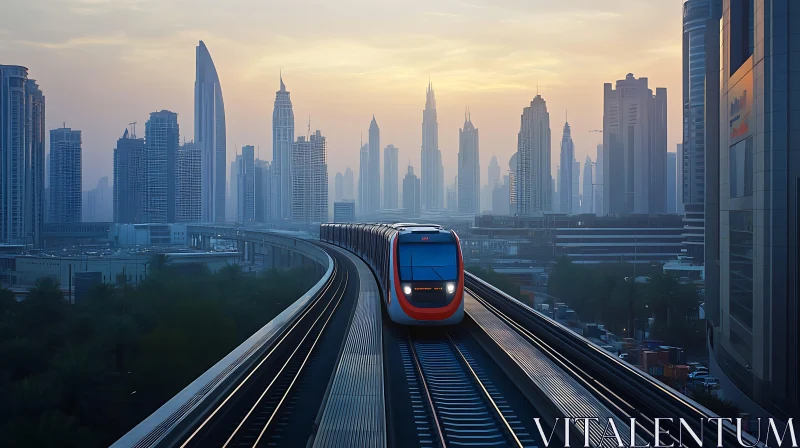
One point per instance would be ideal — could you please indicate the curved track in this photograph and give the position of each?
(254, 412)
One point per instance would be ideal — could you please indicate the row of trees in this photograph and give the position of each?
(82, 375)
(609, 294)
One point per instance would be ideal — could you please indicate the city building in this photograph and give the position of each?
(566, 171)
(344, 211)
(512, 184)
(679, 199)
(752, 222)
(65, 176)
(587, 198)
(501, 196)
(282, 143)
(263, 191)
(556, 186)
(22, 157)
(390, 177)
(696, 16)
(188, 183)
(338, 187)
(348, 185)
(310, 179)
(412, 194)
(246, 186)
(634, 147)
(576, 188)
(209, 133)
(98, 203)
(533, 175)
(598, 182)
(363, 179)
(672, 182)
(493, 179)
(451, 198)
(469, 168)
(374, 172)
(161, 141)
(432, 179)
(232, 207)
(128, 179)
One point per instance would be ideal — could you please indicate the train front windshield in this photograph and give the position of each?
(425, 261)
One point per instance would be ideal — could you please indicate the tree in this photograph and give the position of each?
(159, 262)
(7, 301)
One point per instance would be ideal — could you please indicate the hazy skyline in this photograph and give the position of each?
(105, 63)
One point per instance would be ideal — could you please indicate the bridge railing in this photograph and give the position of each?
(167, 424)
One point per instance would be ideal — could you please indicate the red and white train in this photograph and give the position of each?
(418, 266)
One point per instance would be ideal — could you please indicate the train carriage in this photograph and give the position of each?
(419, 268)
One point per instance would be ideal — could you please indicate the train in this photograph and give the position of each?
(418, 267)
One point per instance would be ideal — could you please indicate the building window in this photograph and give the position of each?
(740, 162)
(741, 267)
(742, 32)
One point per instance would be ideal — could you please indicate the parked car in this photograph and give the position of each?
(710, 382)
(698, 375)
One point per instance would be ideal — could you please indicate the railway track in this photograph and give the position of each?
(454, 401)
(251, 414)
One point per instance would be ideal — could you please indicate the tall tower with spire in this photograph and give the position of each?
(533, 189)
(431, 184)
(209, 133)
(565, 185)
(469, 171)
(374, 176)
(282, 140)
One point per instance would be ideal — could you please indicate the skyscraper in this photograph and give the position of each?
(188, 183)
(338, 187)
(513, 164)
(374, 188)
(493, 177)
(432, 181)
(753, 306)
(576, 187)
(65, 176)
(411, 194)
(500, 197)
(22, 195)
(696, 14)
(469, 169)
(348, 185)
(390, 177)
(310, 179)
(363, 179)
(245, 208)
(128, 179)
(672, 179)
(209, 132)
(161, 137)
(681, 169)
(635, 147)
(598, 183)
(98, 202)
(282, 142)
(233, 190)
(565, 181)
(533, 175)
(587, 198)
(263, 191)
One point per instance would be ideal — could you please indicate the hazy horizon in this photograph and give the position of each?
(105, 63)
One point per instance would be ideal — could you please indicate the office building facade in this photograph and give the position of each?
(634, 147)
(282, 144)
(533, 174)
(263, 191)
(245, 201)
(210, 134)
(344, 211)
(391, 180)
(753, 310)
(188, 183)
(469, 169)
(66, 200)
(161, 142)
(672, 182)
(310, 179)
(587, 196)
(412, 194)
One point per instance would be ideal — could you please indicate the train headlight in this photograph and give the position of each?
(451, 288)
(407, 290)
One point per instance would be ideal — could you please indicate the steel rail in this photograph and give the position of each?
(289, 331)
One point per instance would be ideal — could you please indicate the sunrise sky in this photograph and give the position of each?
(105, 63)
